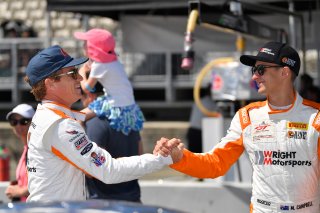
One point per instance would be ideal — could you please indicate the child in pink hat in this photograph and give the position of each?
(118, 103)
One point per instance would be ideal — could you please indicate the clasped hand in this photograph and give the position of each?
(172, 147)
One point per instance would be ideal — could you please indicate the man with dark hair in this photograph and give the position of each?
(280, 135)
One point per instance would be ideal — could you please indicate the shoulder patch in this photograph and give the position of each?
(244, 113)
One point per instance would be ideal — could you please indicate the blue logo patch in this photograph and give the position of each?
(86, 149)
(282, 207)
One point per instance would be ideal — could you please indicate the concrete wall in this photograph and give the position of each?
(197, 197)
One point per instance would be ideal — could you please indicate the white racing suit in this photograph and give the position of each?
(60, 154)
(283, 147)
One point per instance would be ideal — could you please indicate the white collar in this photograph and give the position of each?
(69, 112)
(280, 107)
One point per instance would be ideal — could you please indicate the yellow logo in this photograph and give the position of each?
(295, 125)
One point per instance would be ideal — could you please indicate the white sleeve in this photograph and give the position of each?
(98, 70)
(73, 145)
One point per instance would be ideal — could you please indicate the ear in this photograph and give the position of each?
(49, 82)
(286, 71)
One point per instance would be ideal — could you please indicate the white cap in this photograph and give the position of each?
(25, 110)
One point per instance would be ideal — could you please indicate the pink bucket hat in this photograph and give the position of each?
(100, 44)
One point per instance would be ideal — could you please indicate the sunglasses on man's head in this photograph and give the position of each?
(73, 73)
(261, 68)
(22, 121)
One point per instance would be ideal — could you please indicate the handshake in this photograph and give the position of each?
(172, 147)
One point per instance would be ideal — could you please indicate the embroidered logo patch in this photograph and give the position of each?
(81, 143)
(97, 159)
(86, 149)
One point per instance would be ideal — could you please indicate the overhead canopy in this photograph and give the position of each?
(114, 8)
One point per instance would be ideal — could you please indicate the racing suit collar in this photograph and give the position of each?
(274, 111)
(66, 110)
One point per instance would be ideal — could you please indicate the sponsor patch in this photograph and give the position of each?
(77, 136)
(297, 134)
(244, 116)
(72, 132)
(296, 125)
(263, 132)
(86, 149)
(284, 207)
(262, 127)
(33, 125)
(278, 158)
(264, 202)
(296, 207)
(288, 61)
(97, 159)
(31, 169)
(305, 205)
(267, 51)
(81, 143)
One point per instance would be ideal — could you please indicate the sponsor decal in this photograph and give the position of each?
(81, 143)
(263, 202)
(283, 207)
(33, 125)
(86, 149)
(263, 132)
(261, 137)
(76, 137)
(244, 116)
(262, 127)
(72, 132)
(267, 51)
(97, 159)
(296, 207)
(305, 205)
(278, 158)
(297, 134)
(288, 61)
(295, 125)
(31, 169)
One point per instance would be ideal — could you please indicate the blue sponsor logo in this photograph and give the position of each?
(86, 149)
(282, 207)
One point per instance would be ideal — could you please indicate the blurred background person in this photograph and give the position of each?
(118, 145)
(20, 119)
(308, 90)
(194, 132)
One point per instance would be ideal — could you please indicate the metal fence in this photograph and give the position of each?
(146, 71)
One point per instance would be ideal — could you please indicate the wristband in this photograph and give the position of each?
(92, 90)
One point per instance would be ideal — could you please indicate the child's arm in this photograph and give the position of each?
(89, 114)
(88, 83)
